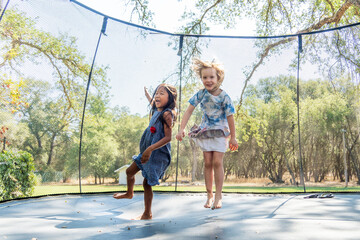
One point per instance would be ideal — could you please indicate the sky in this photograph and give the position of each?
(167, 17)
(235, 55)
(134, 61)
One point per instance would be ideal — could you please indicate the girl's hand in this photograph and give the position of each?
(147, 95)
(145, 156)
(233, 145)
(180, 135)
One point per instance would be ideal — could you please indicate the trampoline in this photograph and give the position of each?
(122, 49)
(182, 216)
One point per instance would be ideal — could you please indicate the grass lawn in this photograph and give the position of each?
(63, 189)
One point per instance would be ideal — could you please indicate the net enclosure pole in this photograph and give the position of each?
(3, 10)
(4, 146)
(298, 110)
(102, 32)
(181, 41)
(345, 161)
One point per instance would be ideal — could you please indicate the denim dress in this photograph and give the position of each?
(160, 159)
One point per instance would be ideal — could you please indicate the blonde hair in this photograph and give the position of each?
(199, 65)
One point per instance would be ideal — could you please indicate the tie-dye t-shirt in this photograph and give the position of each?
(216, 109)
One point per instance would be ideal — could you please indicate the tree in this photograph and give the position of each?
(127, 133)
(55, 106)
(22, 41)
(47, 119)
(11, 101)
(277, 18)
(323, 118)
(10, 97)
(284, 17)
(190, 154)
(335, 53)
(100, 148)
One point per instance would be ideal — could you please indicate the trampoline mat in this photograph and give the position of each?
(182, 216)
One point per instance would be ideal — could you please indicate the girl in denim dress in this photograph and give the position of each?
(155, 149)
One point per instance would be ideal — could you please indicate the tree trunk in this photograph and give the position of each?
(194, 160)
(355, 165)
(289, 169)
(52, 146)
(354, 160)
(38, 139)
(316, 167)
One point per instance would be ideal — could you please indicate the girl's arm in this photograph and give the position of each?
(184, 121)
(233, 145)
(168, 118)
(147, 95)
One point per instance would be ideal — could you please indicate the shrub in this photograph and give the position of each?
(17, 178)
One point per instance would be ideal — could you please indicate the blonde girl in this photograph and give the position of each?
(217, 129)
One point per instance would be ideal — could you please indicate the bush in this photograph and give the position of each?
(17, 178)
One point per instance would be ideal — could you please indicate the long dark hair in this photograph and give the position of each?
(171, 104)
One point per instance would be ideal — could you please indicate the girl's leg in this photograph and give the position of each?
(130, 179)
(208, 175)
(219, 177)
(148, 197)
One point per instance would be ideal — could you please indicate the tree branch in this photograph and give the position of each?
(335, 18)
(203, 15)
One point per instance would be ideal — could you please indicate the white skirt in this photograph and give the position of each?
(215, 144)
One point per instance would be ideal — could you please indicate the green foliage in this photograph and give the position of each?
(23, 40)
(269, 133)
(17, 178)
(127, 133)
(53, 109)
(335, 53)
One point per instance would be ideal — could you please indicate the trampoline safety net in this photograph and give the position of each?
(73, 107)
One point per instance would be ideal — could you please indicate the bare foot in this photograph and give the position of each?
(145, 216)
(121, 196)
(217, 203)
(209, 202)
